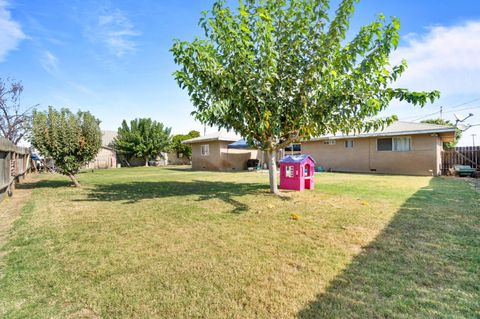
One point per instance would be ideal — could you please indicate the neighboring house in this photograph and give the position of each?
(177, 158)
(211, 152)
(107, 156)
(401, 148)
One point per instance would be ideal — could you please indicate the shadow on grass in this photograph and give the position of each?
(135, 191)
(425, 264)
(45, 184)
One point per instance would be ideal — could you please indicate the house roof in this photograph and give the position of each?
(296, 158)
(217, 136)
(397, 128)
(107, 138)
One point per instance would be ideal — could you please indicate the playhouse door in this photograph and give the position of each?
(307, 177)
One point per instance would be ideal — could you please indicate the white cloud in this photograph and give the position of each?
(10, 31)
(49, 62)
(445, 58)
(116, 31)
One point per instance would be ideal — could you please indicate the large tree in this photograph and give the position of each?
(71, 140)
(144, 138)
(458, 132)
(179, 147)
(14, 119)
(281, 71)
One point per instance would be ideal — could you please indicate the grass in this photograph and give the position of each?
(172, 243)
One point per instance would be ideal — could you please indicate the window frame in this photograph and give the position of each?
(402, 138)
(207, 148)
(393, 143)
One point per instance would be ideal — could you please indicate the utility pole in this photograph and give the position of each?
(441, 112)
(473, 139)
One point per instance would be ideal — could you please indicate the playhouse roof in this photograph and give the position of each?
(296, 158)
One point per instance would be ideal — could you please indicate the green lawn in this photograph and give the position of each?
(172, 243)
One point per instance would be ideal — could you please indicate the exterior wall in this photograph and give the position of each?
(220, 158)
(106, 158)
(438, 156)
(423, 159)
(173, 159)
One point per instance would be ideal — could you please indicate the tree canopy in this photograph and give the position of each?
(281, 71)
(144, 138)
(184, 149)
(71, 140)
(458, 132)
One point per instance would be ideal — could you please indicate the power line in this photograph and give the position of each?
(452, 109)
(462, 104)
(421, 117)
(465, 109)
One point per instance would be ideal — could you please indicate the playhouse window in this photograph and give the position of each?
(205, 150)
(289, 171)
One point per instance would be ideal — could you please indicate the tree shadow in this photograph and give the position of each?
(424, 264)
(44, 184)
(133, 192)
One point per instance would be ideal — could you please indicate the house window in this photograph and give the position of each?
(330, 142)
(293, 148)
(402, 144)
(396, 144)
(384, 144)
(349, 144)
(205, 150)
(179, 155)
(288, 171)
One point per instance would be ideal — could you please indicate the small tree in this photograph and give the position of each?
(280, 71)
(458, 132)
(144, 138)
(14, 120)
(71, 140)
(185, 149)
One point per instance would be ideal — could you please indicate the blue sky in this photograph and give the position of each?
(112, 57)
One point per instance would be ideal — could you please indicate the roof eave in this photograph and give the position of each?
(437, 131)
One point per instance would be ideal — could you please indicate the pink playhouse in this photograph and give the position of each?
(297, 172)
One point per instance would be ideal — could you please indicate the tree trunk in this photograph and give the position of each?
(272, 171)
(74, 180)
(146, 161)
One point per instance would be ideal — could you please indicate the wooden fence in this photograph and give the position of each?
(14, 164)
(466, 155)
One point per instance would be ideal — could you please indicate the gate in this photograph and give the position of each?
(464, 155)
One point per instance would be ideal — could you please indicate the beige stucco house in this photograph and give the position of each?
(211, 152)
(107, 156)
(401, 148)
